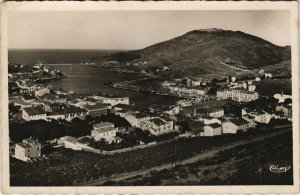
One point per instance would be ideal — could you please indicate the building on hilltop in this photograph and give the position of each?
(27, 150)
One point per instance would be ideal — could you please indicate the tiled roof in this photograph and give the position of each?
(103, 125)
(95, 107)
(36, 110)
(239, 121)
(214, 125)
(23, 145)
(71, 139)
(105, 129)
(140, 115)
(158, 121)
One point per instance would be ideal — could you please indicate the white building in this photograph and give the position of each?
(215, 112)
(282, 97)
(136, 119)
(41, 91)
(235, 125)
(260, 116)
(112, 100)
(104, 130)
(239, 95)
(76, 144)
(27, 150)
(212, 129)
(158, 126)
(33, 113)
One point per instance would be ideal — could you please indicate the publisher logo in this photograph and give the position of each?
(279, 169)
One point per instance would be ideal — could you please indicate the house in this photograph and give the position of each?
(212, 129)
(124, 110)
(70, 142)
(282, 97)
(28, 98)
(158, 126)
(260, 116)
(197, 127)
(136, 119)
(250, 119)
(97, 109)
(76, 144)
(104, 130)
(210, 111)
(33, 113)
(234, 125)
(42, 91)
(77, 103)
(64, 111)
(240, 95)
(112, 100)
(53, 98)
(210, 120)
(172, 110)
(286, 109)
(28, 149)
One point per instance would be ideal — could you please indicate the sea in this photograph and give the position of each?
(85, 78)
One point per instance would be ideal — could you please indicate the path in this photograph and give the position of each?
(245, 70)
(193, 159)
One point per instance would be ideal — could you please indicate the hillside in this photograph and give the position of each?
(200, 52)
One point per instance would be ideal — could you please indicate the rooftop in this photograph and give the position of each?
(105, 129)
(158, 121)
(58, 109)
(103, 125)
(71, 139)
(239, 121)
(214, 125)
(140, 115)
(96, 106)
(36, 110)
(24, 145)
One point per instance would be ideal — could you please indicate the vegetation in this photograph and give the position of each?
(243, 165)
(84, 166)
(48, 130)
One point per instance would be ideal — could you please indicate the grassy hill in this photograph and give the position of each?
(200, 52)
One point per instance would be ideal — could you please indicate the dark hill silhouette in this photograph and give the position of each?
(200, 52)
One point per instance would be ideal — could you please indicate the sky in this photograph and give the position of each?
(135, 29)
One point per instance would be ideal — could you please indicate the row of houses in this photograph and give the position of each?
(240, 95)
(218, 126)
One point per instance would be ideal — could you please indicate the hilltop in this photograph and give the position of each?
(201, 52)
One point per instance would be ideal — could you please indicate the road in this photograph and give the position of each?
(207, 154)
(245, 70)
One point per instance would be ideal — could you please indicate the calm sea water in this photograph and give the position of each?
(85, 79)
(54, 56)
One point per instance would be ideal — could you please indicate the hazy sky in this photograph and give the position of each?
(135, 29)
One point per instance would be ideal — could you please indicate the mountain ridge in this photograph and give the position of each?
(200, 52)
